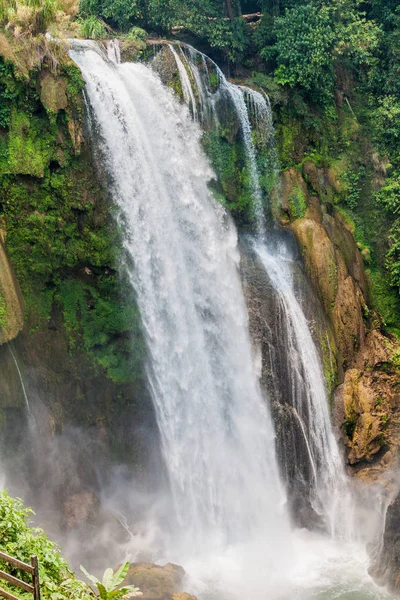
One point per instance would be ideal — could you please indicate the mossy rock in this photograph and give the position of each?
(53, 91)
(11, 302)
(155, 582)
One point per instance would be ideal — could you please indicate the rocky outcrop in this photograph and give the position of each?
(332, 259)
(158, 583)
(367, 408)
(53, 91)
(366, 403)
(11, 302)
(386, 570)
(327, 250)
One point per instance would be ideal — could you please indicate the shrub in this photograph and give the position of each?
(19, 539)
(137, 34)
(92, 28)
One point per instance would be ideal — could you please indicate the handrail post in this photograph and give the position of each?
(36, 584)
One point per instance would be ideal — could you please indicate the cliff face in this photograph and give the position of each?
(80, 350)
(366, 401)
(11, 301)
(77, 348)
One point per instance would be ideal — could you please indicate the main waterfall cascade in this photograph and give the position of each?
(319, 472)
(229, 524)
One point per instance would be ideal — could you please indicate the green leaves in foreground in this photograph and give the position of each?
(107, 588)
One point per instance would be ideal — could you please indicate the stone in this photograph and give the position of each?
(386, 570)
(11, 301)
(80, 508)
(367, 405)
(292, 183)
(341, 293)
(183, 596)
(53, 91)
(154, 581)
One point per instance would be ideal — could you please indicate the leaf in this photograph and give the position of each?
(91, 578)
(102, 591)
(108, 579)
(120, 575)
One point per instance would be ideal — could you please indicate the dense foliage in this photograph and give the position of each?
(63, 247)
(20, 540)
(331, 69)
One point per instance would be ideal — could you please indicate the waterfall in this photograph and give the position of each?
(216, 430)
(319, 470)
(326, 486)
(187, 89)
(228, 525)
(21, 379)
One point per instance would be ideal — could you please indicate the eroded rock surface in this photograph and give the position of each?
(156, 582)
(11, 302)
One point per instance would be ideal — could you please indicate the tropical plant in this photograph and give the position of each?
(35, 16)
(20, 540)
(108, 588)
(92, 28)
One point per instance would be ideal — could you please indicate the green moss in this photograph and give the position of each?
(107, 321)
(384, 298)
(287, 136)
(30, 144)
(3, 311)
(234, 183)
(213, 80)
(329, 365)
(63, 244)
(297, 203)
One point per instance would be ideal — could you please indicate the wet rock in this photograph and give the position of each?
(367, 406)
(11, 302)
(183, 596)
(79, 508)
(339, 291)
(155, 582)
(53, 91)
(291, 189)
(386, 570)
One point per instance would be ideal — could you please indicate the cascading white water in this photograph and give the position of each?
(329, 491)
(217, 435)
(237, 96)
(330, 497)
(185, 82)
(229, 528)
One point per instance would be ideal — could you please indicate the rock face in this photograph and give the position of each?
(158, 583)
(11, 303)
(366, 403)
(387, 567)
(275, 346)
(367, 408)
(341, 293)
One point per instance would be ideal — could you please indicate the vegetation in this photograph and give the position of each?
(20, 540)
(92, 28)
(35, 16)
(63, 247)
(57, 582)
(3, 311)
(331, 69)
(110, 586)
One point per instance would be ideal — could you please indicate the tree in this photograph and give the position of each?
(303, 50)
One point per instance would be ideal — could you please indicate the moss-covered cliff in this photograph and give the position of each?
(80, 353)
